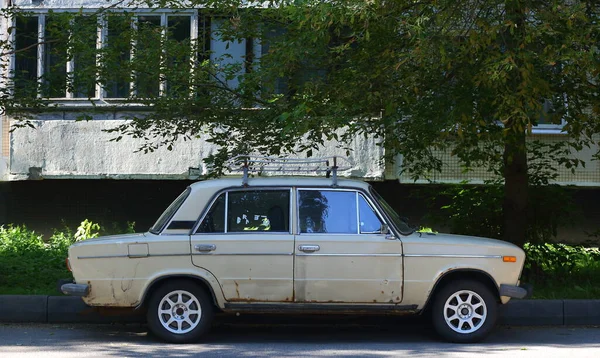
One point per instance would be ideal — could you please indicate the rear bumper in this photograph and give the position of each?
(521, 291)
(74, 289)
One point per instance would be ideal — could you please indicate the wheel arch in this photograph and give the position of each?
(462, 274)
(159, 281)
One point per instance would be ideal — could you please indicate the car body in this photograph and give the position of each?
(285, 244)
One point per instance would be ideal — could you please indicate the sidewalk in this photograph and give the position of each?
(65, 309)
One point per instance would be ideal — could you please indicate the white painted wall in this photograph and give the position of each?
(70, 149)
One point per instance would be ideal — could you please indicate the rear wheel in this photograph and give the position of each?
(464, 311)
(180, 312)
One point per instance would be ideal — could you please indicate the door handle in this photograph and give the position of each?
(205, 247)
(309, 248)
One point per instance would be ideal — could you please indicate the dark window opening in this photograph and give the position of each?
(26, 38)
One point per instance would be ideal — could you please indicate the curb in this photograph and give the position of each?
(66, 309)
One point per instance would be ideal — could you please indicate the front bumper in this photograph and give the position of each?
(74, 289)
(521, 291)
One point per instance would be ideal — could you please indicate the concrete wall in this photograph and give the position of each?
(453, 172)
(61, 147)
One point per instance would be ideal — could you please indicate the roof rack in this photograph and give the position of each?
(259, 164)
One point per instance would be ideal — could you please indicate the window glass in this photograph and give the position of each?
(214, 221)
(549, 113)
(55, 55)
(369, 222)
(148, 54)
(115, 64)
(258, 210)
(178, 50)
(84, 37)
(327, 211)
(26, 39)
(168, 214)
(400, 223)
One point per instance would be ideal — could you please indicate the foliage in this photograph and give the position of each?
(477, 210)
(562, 271)
(468, 77)
(87, 230)
(31, 264)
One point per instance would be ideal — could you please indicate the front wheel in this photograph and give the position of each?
(464, 311)
(179, 312)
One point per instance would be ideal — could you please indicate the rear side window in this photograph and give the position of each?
(248, 211)
(168, 214)
(327, 211)
(257, 210)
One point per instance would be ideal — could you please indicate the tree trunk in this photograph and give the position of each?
(515, 188)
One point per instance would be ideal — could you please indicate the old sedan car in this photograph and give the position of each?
(287, 244)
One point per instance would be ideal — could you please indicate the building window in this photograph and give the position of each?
(113, 55)
(26, 72)
(551, 119)
(115, 59)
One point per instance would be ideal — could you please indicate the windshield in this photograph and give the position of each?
(168, 214)
(398, 222)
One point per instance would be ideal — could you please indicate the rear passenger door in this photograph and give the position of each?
(245, 240)
(342, 255)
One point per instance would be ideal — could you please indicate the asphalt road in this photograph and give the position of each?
(385, 337)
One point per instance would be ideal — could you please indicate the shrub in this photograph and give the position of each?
(30, 264)
(477, 210)
(562, 271)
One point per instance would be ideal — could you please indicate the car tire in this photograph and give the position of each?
(180, 312)
(464, 311)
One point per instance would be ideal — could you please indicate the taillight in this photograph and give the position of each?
(68, 263)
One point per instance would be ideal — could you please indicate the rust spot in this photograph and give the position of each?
(243, 300)
(374, 300)
(237, 289)
(398, 298)
(382, 292)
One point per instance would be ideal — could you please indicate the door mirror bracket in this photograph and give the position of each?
(385, 229)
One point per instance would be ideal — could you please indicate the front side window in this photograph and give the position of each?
(327, 211)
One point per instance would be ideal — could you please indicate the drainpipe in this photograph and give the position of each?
(5, 62)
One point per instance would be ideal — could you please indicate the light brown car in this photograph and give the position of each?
(294, 245)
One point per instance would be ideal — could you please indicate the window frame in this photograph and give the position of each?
(100, 93)
(226, 191)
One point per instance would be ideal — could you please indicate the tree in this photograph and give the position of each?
(470, 77)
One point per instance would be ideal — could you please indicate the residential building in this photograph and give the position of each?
(62, 147)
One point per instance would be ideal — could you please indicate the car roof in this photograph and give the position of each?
(228, 182)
